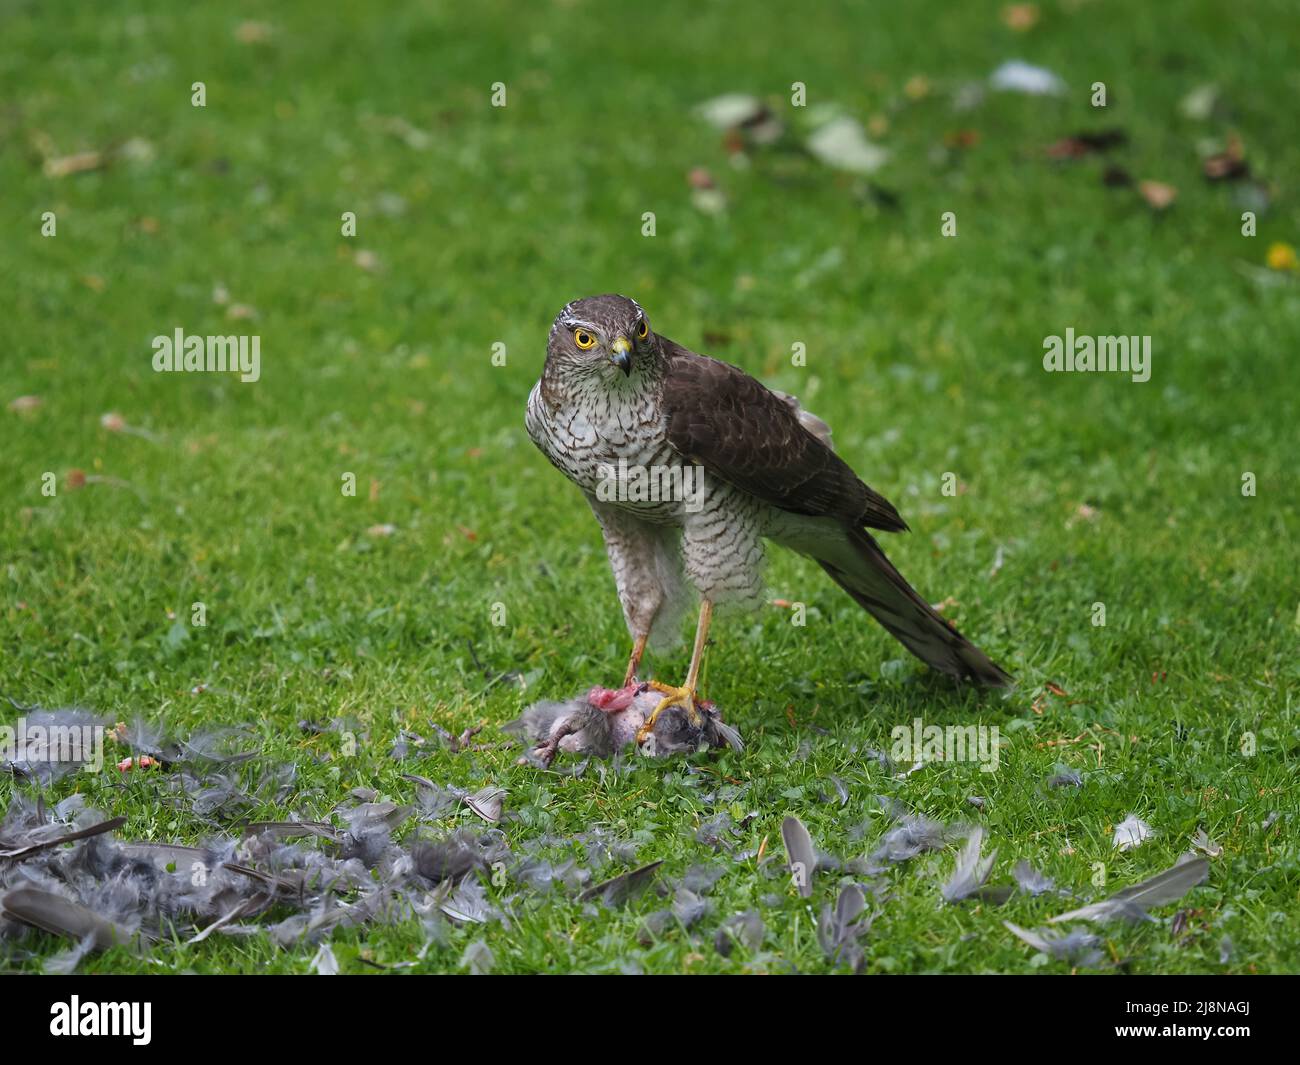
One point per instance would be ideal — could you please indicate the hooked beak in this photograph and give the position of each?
(620, 354)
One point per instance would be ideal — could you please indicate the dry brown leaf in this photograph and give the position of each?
(252, 32)
(1020, 17)
(1157, 194)
(78, 163)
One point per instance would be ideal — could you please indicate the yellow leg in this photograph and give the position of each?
(634, 663)
(685, 695)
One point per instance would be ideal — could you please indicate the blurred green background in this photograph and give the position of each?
(475, 224)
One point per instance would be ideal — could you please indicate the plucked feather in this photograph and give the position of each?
(1132, 903)
(801, 858)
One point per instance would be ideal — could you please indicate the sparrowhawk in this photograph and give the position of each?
(690, 464)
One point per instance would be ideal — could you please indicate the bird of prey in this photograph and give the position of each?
(689, 465)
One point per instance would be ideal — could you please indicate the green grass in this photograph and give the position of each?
(922, 352)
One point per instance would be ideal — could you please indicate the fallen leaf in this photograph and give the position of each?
(1083, 512)
(1229, 164)
(700, 178)
(252, 32)
(1020, 17)
(1157, 193)
(962, 138)
(1081, 144)
(65, 165)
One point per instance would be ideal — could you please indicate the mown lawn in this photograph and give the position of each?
(475, 224)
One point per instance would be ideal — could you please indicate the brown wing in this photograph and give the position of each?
(721, 418)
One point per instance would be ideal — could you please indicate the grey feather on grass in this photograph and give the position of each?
(746, 929)
(1226, 950)
(839, 930)
(971, 871)
(686, 911)
(717, 831)
(468, 903)
(65, 872)
(35, 760)
(66, 961)
(841, 790)
(690, 908)
(325, 963)
(1132, 903)
(654, 926)
(543, 875)
(55, 836)
(1031, 881)
(617, 890)
(801, 858)
(488, 803)
(457, 855)
(478, 959)
(913, 835)
(1077, 947)
(701, 878)
(61, 916)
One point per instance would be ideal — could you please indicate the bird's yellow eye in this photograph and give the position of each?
(583, 339)
(643, 330)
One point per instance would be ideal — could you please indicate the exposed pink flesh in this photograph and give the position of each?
(613, 700)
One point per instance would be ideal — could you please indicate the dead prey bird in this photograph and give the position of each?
(689, 464)
(605, 721)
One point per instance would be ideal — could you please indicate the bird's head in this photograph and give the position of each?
(607, 336)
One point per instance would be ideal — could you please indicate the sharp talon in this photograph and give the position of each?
(683, 697)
